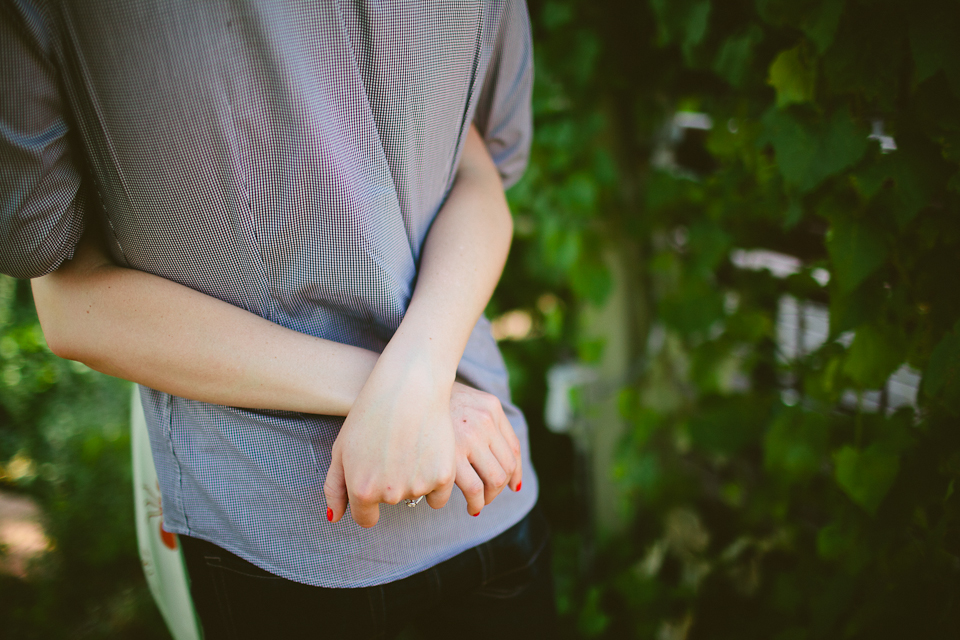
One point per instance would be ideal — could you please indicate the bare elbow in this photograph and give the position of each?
(58, 340)
(53, 319)
(58, 344)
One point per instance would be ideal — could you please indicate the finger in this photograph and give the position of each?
(365, 508)
(439, 496)
(505, 457)
(516, 478)
(491, 473)
(335, 489)
(470, 485)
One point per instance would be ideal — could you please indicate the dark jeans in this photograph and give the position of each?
(500, 589)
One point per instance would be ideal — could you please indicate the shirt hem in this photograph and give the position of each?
(502, 526)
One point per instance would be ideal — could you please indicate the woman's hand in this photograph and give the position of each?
(389, 447)
(397, 441)
(488, 451)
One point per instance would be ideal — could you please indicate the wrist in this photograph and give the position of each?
(419, 342)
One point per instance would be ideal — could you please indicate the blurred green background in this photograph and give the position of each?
(737, 262)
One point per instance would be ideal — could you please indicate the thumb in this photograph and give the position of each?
(335, 488)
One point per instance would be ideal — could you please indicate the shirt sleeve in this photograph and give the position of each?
(41, 219)
(503, 114)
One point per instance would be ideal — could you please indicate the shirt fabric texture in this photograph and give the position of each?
(287, 157)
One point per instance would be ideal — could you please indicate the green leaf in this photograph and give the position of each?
(592, 621)
(850, 310)
(8, 287)
(682, 21)
(810, 151)
(728, 425)
(943, 370)
(818, 19)
(795, 444)
(934, 42)
(697, 20)
(856, 250)
(793, 77)
(835, 540)
(693, 307)
(874, 355)
(591, 280)
(666, 190)
(708, 244)
(590, 351)
(735, 55)
(866, 54)
(821, 25)
(906, 179)
(866, 476)
(555, 15)
(794, 213)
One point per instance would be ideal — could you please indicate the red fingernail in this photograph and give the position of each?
(475, 514)
(329, 514)
(519, 484)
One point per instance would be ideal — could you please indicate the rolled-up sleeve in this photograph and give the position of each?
(503, 114)
(40, 218)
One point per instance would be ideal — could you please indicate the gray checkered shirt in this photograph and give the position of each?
(287, 157)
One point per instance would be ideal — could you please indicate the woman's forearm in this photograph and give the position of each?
(401, 439)
(144, 328)
(463, 257)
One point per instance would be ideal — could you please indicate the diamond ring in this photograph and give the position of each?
(413, 503)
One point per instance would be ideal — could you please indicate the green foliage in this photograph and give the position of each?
(770, 493)
(64, 442)
(866, 475)
(874, 356)
(942, 377)
(810, 148)
(793, 77)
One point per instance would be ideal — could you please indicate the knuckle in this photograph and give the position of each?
(422, 489)
(476, 442)
(473, 489)
(365, 494)
(498, 478)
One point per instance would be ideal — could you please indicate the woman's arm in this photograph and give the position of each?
(398, 440)
(150, 330)
(141, 327)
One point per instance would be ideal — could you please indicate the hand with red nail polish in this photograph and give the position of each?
(397, 442)
(488, 451)
(399, 439)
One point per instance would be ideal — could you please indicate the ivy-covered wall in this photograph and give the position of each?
(786, 174)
